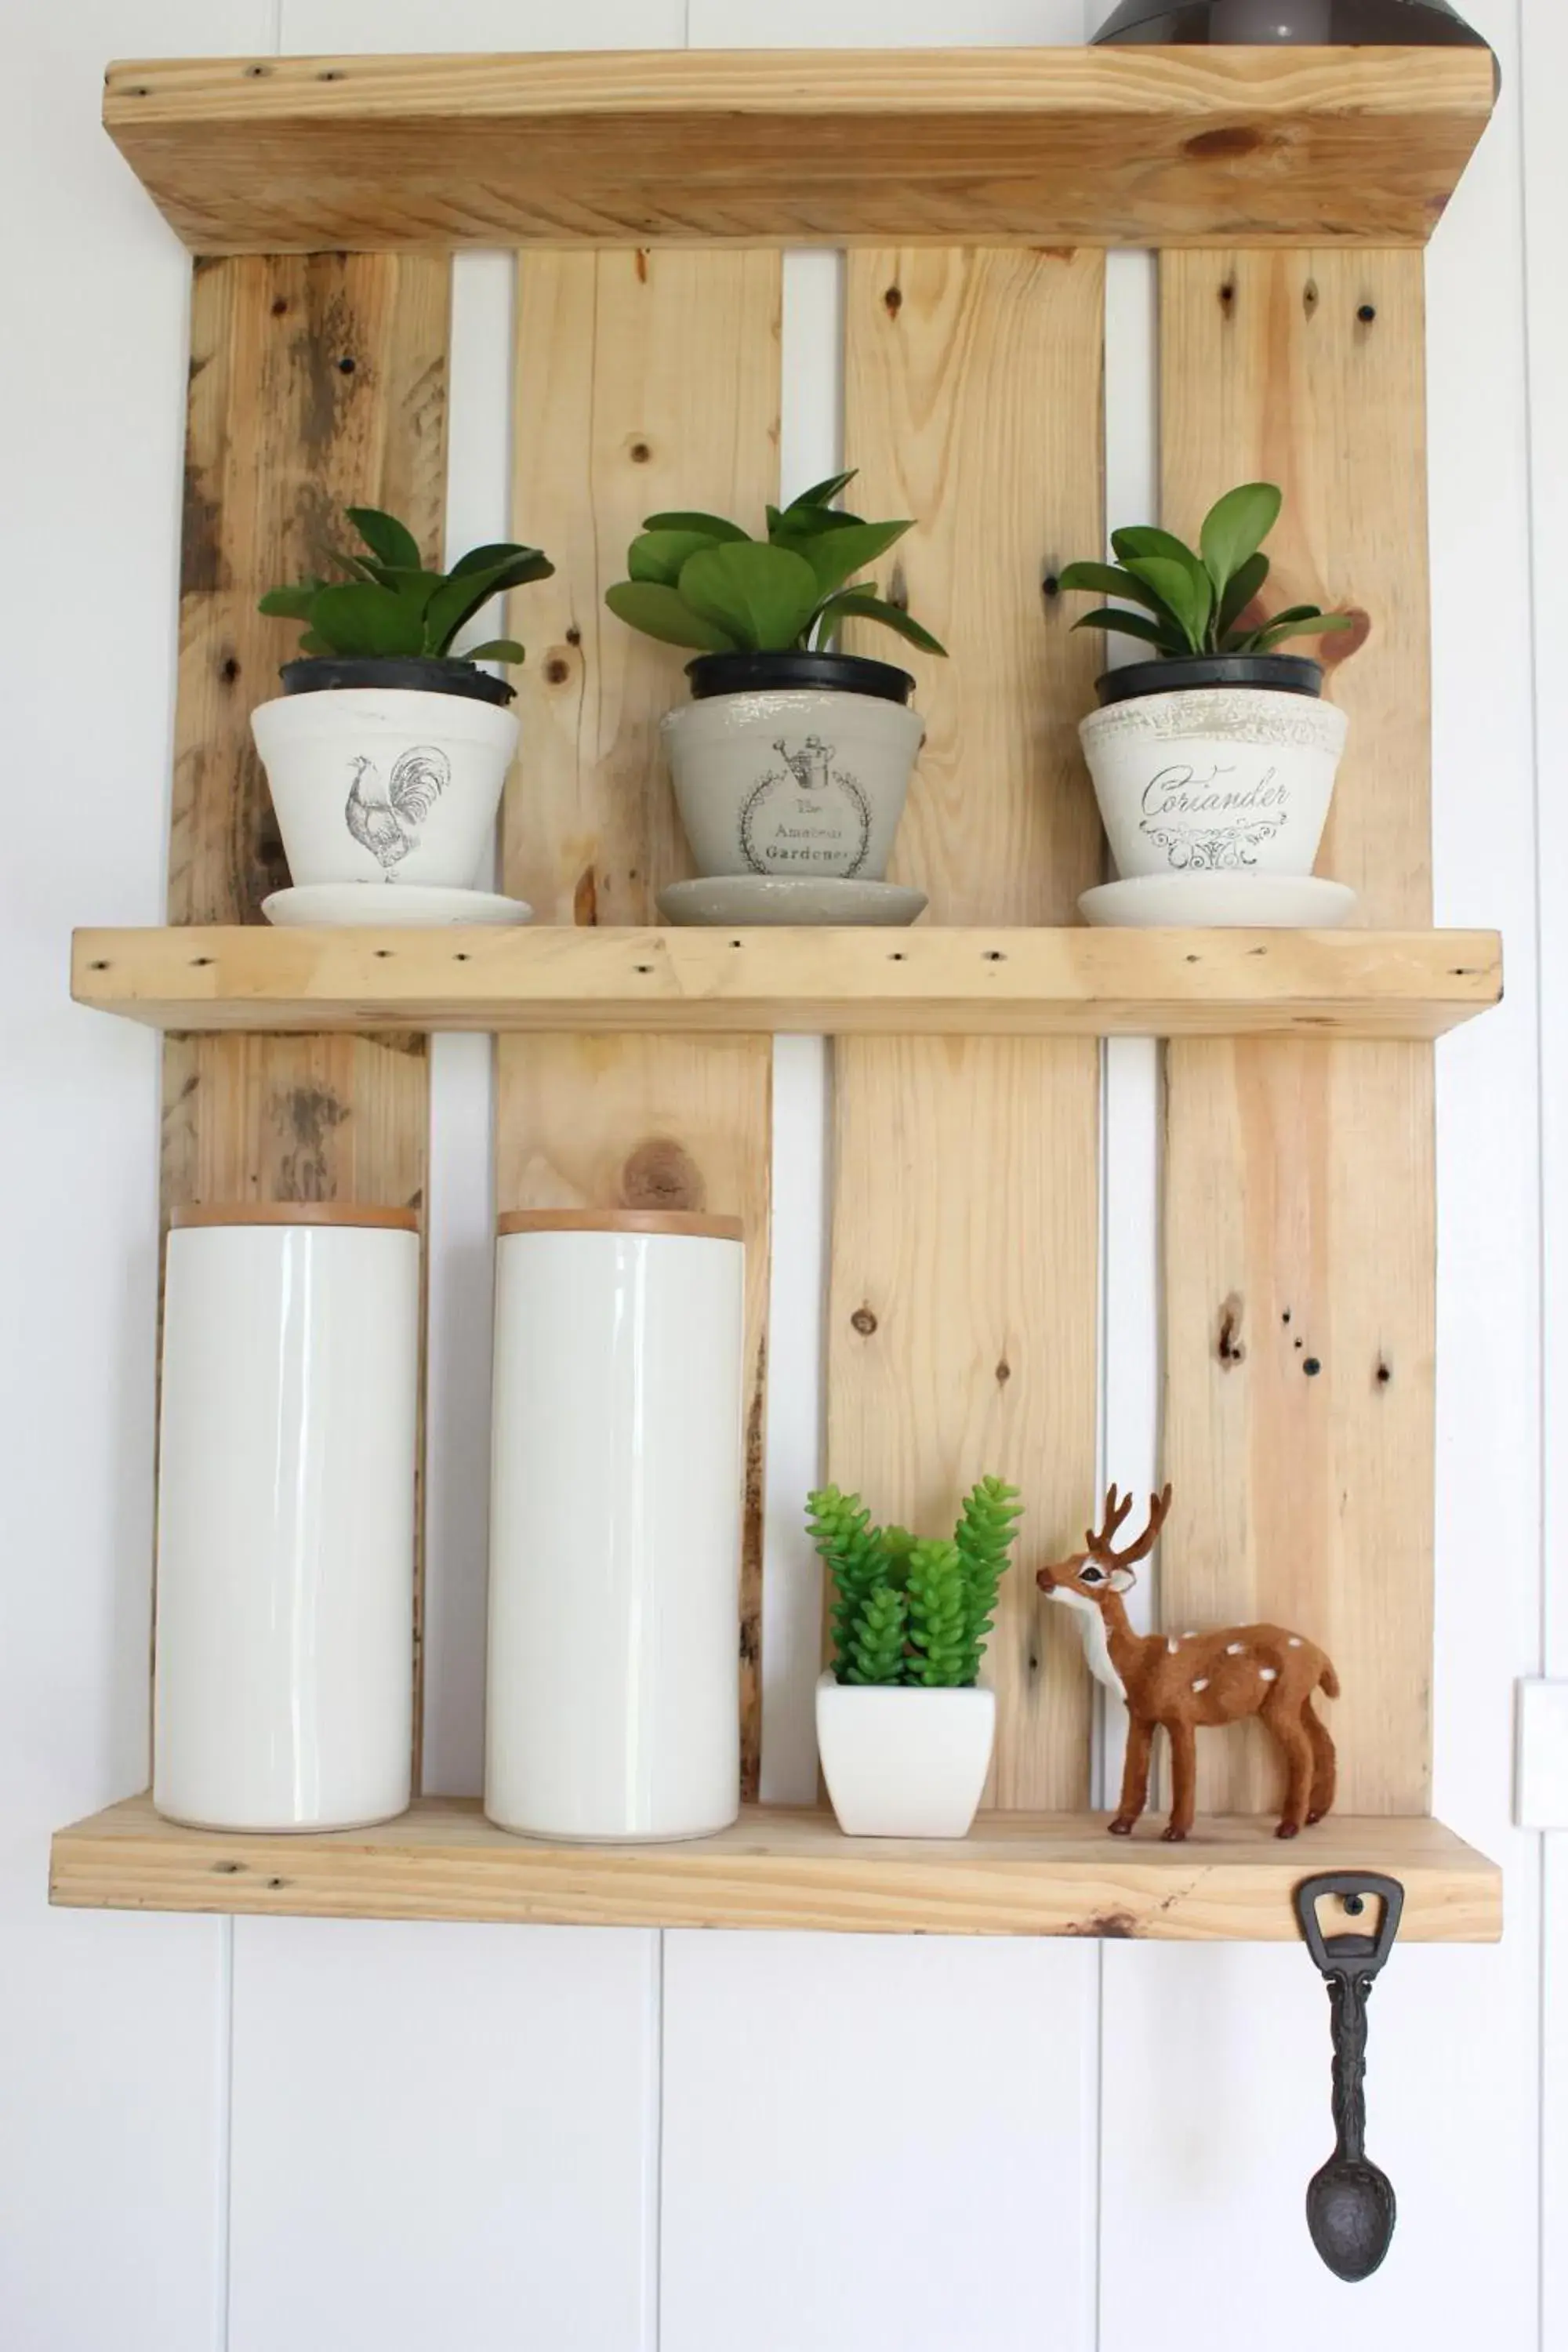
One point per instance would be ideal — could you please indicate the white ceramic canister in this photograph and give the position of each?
(285, 1517)
(1215, 779)
(613, 1697)
(797, 781)
(384, 785)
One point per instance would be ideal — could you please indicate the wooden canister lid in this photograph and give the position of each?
(295, 1212)
(619, 1221)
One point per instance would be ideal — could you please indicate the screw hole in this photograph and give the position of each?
(993, 955)
(1050, 585)
(897, 956)
(1355, 1906)
(345, 367)
(1311, 1367)
(1367, 314)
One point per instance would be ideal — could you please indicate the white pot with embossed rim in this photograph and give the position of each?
(382, 785)
(793, 764)
(901, 1761)
(1233, 776)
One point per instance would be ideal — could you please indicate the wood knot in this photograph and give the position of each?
(557, 669)
(280, 307)
(639, 453)
(1229, 1345)
(894, 300)
(1338, 646)
(573, 636)
(662, 1174)
(1384, 1374)
(1309, 296)
(586, 900)
(863, 1321)
(1004, 1373)
(1231, 139)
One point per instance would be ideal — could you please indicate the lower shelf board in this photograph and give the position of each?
(1017, 1874)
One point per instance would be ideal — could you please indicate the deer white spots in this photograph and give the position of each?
(1189, 1635)
(1203, 1685)
(1173, 1646)
(1295, 1642)
(1234, 1649)
(1269, 1674)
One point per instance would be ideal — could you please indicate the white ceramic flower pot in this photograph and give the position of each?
(284, 1690)
(617, 1468)
(800, 781)
(904, 1763)
(384, 785)
(1228, 779)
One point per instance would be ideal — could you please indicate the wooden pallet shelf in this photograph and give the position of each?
(1017, 1875)
(925, 981)
(1035, 146)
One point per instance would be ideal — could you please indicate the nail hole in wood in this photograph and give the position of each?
(1311, 1367)
(1050, 585)
(897, 956)
(332, 73)
(227, 1869)
(734, 943)
(382, 953)
(643, 967)
(1384, 1374)
(1367, 313)
(461, 956)
(98, 967)
(255, 73)
(1192, 958)
(197, 961)
(993, 955)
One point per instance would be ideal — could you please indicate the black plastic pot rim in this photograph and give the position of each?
(393, 673)
(713, 674)
(1187, 673)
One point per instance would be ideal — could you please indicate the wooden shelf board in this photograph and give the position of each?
(930, 980)
(1042, 146)
(1017, 1875)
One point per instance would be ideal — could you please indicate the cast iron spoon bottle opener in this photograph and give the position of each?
(1350, 2206)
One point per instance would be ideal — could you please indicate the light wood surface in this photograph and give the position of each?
(964, 1291)
(1299, 1211)
(314, 383)
(1038, 146)
(621, 1221)
(1015, 1875)
(932, 980)
(643, 381)
(297, 1213)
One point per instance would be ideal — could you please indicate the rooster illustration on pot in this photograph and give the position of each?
(387, 823)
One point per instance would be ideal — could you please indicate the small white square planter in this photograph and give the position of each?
(904, 1763)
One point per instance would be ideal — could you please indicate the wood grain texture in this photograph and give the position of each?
(937, 981)
(1015, 1875)
(315, 382)
(963, 1292)
(1040, 146)
(644, 380)
(1299, 1222)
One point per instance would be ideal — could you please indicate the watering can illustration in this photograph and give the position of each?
(809, 765)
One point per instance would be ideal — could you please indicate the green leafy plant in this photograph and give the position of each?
(1197, 603)
(910, 1610)
(388, 604)
(700, 581)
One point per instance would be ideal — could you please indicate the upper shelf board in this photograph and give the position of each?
(932, 980)
(1015, 1875)
(1136, 146)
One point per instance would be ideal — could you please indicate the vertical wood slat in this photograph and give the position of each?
(965, 1290)
(315, 382)
(1299, 1204)
(643, 381)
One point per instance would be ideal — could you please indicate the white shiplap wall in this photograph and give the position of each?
(280, 2136)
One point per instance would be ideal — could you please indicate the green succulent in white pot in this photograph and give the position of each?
(792, 759)
(1214, 757)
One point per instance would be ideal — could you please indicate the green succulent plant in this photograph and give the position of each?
(700, 581)
(1195, 603)
(910, 1610)
(388, 604)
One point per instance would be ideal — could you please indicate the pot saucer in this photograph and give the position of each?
(1220, 901)
(788, 899)
(385, 905)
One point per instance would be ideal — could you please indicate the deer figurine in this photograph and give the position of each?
(1197, 1679)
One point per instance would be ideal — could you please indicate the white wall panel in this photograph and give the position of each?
(444, 2137)
(875, 2142)
(110, 2029)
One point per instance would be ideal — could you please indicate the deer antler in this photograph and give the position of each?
(1100, 1546)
